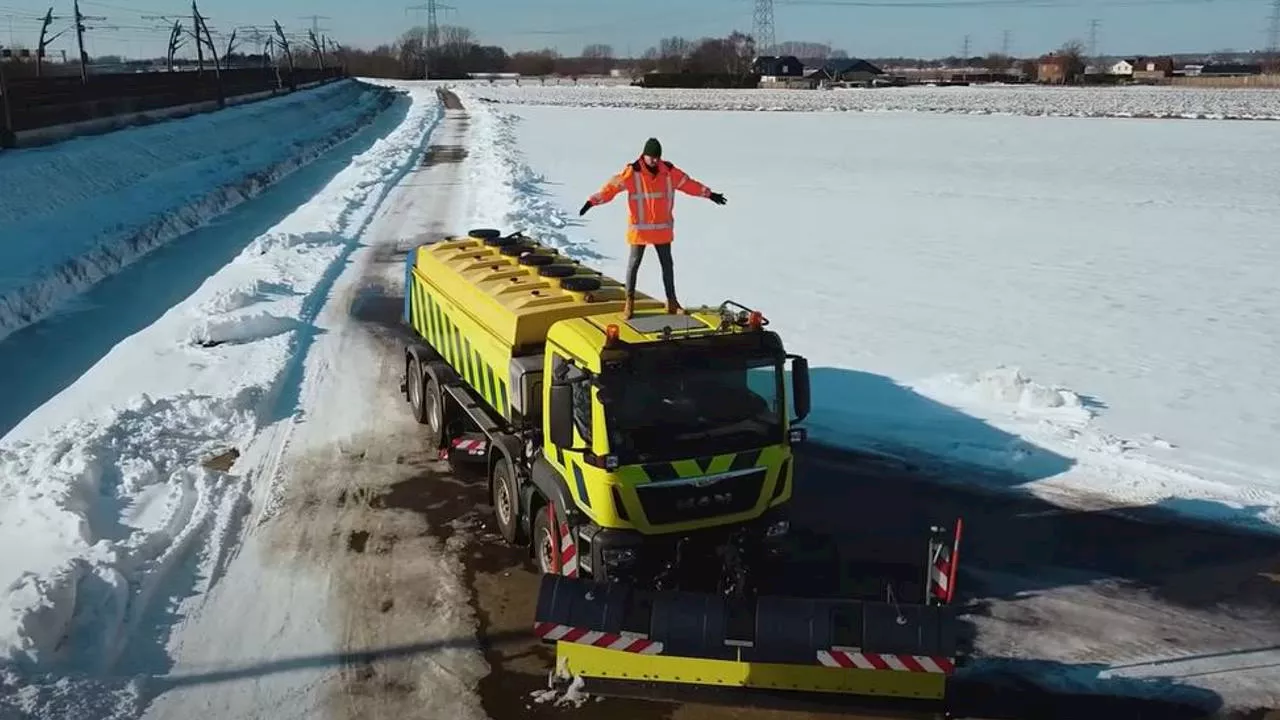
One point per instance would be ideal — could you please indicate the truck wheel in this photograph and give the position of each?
(433, 405)
(505, 499)
(414, 382)
(545, 542)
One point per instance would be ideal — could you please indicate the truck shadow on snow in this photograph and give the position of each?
(51, 354)
(871, 501)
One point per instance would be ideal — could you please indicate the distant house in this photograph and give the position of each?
(851, 70)
(1230, 69)
(1123, 67)
(1054, 69)
(1152, 68)
(784, 66)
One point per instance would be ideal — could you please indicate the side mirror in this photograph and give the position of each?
(560, 415)
(800, 386)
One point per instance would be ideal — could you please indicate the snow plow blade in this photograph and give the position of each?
(770, 652)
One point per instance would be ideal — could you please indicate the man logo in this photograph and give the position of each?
(706, 501)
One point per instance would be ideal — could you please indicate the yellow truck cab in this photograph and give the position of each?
(613, 445)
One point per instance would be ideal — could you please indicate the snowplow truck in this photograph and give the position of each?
(647, 464)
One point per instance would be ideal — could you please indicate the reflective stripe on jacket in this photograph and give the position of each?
(651, 196)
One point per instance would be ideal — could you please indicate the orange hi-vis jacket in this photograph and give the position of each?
(651, 197)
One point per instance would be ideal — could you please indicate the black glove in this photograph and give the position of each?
(717, 198)
(585, 207)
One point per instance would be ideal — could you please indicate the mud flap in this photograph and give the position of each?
(613, 633)
(470, 446)
(565, 553)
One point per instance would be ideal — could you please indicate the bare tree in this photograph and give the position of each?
(1073, 53)
(997, 62)
(455, 41)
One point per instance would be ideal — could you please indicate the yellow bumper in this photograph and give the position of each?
(605, 664)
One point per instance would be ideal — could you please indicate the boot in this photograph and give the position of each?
(629, 308)
(673, 307)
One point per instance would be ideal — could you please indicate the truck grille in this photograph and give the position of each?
(682, 500)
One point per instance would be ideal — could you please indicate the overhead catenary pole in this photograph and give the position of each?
(288, 54)
(195, 27)
(175, 42)
(44, 42)
(84, 58)
(315, 45)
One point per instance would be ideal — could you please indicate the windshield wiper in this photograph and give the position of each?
(730, 429)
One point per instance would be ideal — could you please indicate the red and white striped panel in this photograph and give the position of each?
(885, 661)
(941, 572)
(470, 446)
(568, 552)
(626, 642)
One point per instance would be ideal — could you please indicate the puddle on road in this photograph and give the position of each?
(443, 154)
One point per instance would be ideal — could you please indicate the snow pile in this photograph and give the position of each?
(511, 198)
(1009, 387)
(75, 212)
(104, 510)
(564, 689)
(121, 511)
(1141, 102)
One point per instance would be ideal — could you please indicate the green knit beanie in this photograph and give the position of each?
(653, 147)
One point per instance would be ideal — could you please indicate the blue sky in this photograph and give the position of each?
(874, 28)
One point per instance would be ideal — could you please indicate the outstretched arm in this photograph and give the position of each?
(684, 183)
(609, 190)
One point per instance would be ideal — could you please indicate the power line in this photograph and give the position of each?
(949, 4)
(433, 25)
(1273, 32)
(315, 22)
(762, 27)
(1093, 38)
(964, 54)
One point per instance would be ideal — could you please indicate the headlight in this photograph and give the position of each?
(617, 556)
(777, 529)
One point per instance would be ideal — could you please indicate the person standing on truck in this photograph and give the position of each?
(651, 183)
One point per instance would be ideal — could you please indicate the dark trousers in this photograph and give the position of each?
(664, 259)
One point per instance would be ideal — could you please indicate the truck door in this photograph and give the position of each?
(571, 375)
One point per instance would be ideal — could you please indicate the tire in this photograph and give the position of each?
(542, 533)
(416, 388)
(504, 496)
(433, 406)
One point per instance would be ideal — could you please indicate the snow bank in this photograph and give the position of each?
(77, 211)
(124, 489)
(1136, 102)
(505, 192)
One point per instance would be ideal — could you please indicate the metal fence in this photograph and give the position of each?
(48, 102)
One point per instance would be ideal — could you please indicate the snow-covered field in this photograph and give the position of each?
(75, 212)
(1088, 305)
(1139, 102)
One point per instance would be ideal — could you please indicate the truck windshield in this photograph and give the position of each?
(671, 408)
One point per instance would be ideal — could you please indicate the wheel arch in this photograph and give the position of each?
(545, 485)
